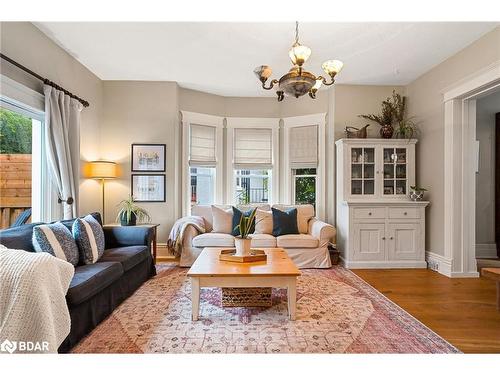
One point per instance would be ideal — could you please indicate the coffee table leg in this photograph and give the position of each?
(195, 297)
(292, 298)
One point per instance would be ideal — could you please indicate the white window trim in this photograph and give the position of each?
(249, 123)
(21, 99)
(189, 118)
(318, 119)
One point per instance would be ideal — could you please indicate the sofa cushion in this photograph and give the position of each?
(222, 220)
(214, 240)
(263, 240)
(128, 256)
(297, 241)
(89, 237)
(237, 214)
(57, 240)
(263, 222)
(284, 222)
(305, 212)
(91, 279)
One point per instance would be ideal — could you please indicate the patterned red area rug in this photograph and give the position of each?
(337, 312)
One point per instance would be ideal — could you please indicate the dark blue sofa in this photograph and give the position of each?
(97, 289)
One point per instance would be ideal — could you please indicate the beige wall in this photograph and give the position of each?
(26, 44)
(141, 112)
(426, 103)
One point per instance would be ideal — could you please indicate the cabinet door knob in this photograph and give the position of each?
(392, 238)
(406, 213)
(383, 238)
(369, 214)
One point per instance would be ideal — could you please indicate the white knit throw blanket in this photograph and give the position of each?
(176, 236)
(33, 305)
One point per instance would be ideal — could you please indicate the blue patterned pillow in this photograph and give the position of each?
(89, 237)
(57, 240)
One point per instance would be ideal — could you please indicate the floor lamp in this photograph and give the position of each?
(103, 170)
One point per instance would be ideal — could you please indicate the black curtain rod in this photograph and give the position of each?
(44, 80)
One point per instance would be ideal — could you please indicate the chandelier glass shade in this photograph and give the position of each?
(298, 82)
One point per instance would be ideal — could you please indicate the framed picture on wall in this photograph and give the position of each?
(148, 157)
(148, 187)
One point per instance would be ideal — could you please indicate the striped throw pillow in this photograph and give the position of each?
(89, 237)
(57, 240)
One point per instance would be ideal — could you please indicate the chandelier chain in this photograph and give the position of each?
(296, 31)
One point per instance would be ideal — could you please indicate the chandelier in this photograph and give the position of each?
(298, 81)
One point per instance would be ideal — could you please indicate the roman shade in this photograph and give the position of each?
(304, 146)
(202, 145)
(253, 148)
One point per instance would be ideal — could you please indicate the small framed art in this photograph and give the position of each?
(148, 157)
(148, 187)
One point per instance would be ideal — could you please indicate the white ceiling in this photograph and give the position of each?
(219, 57)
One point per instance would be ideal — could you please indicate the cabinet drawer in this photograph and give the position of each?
(404, 213)
(369, 213)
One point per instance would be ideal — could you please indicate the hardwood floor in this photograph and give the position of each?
(463, 311)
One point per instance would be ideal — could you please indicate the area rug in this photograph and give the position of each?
(337, 312)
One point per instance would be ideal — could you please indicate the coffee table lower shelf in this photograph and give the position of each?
(288, 282)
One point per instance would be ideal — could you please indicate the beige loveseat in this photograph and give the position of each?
(309, 249)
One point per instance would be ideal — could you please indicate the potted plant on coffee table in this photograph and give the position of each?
(130, 213)
(242, 242)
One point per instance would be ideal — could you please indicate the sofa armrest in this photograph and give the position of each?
(324, 232)
(117, 236)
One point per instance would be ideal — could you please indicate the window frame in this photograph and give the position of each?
(214, 180)
(189, 118)
(252, 123)
(25, 101)
(318, 119)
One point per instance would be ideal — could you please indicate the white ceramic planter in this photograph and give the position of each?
(243, 246)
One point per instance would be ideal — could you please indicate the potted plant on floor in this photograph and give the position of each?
(242, 242)
(130, 213)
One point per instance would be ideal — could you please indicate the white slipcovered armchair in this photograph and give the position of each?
(309, 249)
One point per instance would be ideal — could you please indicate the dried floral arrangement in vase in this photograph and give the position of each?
(385, 119)
(394, 113)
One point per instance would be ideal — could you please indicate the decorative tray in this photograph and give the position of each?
(255, 256)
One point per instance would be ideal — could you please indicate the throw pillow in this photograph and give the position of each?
(263, 222)
(284, 222)
(89, 237)
(305, 212)
(56, 240)
(222, 220)
(236, 220)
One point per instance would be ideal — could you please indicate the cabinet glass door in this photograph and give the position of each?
(395, 171)
(362, 171)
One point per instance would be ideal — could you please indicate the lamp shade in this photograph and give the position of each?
(102, 169)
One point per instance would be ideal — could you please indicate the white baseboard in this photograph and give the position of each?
(438, 263)
(384, 265)
(486, 250)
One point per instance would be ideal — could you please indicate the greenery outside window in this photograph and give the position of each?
(304, 186)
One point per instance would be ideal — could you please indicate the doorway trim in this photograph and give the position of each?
(460, 168)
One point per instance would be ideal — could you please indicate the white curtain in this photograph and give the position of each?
(62, 138)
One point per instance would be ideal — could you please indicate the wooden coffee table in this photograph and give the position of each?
(278, 272)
